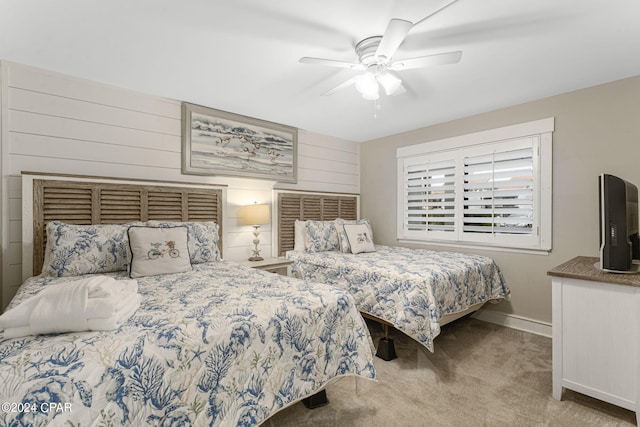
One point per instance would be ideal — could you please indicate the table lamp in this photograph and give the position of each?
(255, 215)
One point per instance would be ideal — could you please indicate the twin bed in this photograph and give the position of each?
(218, 343)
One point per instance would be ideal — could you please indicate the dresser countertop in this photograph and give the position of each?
(583, 268)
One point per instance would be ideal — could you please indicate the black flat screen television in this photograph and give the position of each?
(619, 242)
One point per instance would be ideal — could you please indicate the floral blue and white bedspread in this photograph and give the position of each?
(224, 345)
(410, 288)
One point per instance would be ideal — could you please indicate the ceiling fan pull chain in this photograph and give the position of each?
(376, 107)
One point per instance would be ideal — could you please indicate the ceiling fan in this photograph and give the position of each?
(375, 55)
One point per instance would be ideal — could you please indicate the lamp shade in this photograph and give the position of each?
(254, 214)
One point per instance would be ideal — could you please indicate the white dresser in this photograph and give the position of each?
(596, 333)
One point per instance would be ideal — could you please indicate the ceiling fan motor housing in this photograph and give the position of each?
(366, 51)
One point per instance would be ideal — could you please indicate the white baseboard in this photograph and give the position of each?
(515, 322)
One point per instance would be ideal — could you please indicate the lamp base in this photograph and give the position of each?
(255, 256)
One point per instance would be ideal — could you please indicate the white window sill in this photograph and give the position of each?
(477, 246)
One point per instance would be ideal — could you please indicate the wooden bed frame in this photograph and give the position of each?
(322, 207)
(88, 200)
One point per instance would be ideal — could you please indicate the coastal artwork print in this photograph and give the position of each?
(220, 143)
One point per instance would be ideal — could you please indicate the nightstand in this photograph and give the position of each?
(273, 265)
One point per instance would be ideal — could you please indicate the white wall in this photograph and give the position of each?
(53, 123)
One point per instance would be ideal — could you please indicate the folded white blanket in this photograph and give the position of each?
(95, 303)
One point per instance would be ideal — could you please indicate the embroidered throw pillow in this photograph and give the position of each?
(345, 247)
(360, 239)
(157, 250)
(203, 239)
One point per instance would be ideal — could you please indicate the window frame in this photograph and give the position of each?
(537, 133)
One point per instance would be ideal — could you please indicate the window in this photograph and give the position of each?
(491, 188)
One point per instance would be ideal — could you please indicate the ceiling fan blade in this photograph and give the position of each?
(341, 86)
(393, 37)
(436, 11)
(426, 61)
(331, 63)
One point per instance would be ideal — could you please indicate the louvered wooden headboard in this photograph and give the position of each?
(304, 206)
(78, 202)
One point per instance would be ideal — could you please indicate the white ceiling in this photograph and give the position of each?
(242, 55)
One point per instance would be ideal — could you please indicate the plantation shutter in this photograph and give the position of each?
(430, 196)
(498, 192)
(491, 188)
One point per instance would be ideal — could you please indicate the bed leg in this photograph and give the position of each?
(386, 349)
(317, 400)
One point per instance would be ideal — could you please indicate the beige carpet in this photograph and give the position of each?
(480, 375)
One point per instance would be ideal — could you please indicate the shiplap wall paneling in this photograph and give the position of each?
(326, 164)
(12, 238)
(56, 126)
(240, 237)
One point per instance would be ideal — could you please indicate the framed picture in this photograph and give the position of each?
(216, 142)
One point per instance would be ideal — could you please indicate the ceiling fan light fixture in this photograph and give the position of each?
(372, 96)
(389, 82)
(367, 85)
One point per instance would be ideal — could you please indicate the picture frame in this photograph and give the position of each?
(216, 142)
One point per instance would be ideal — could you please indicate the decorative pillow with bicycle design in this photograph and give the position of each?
(360, 238)
(202, 239)
(156, 250)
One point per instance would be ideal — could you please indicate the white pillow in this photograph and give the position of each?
(203, 239)
(342, 236)
(156, 250)
(360, 239)
(298, 236)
